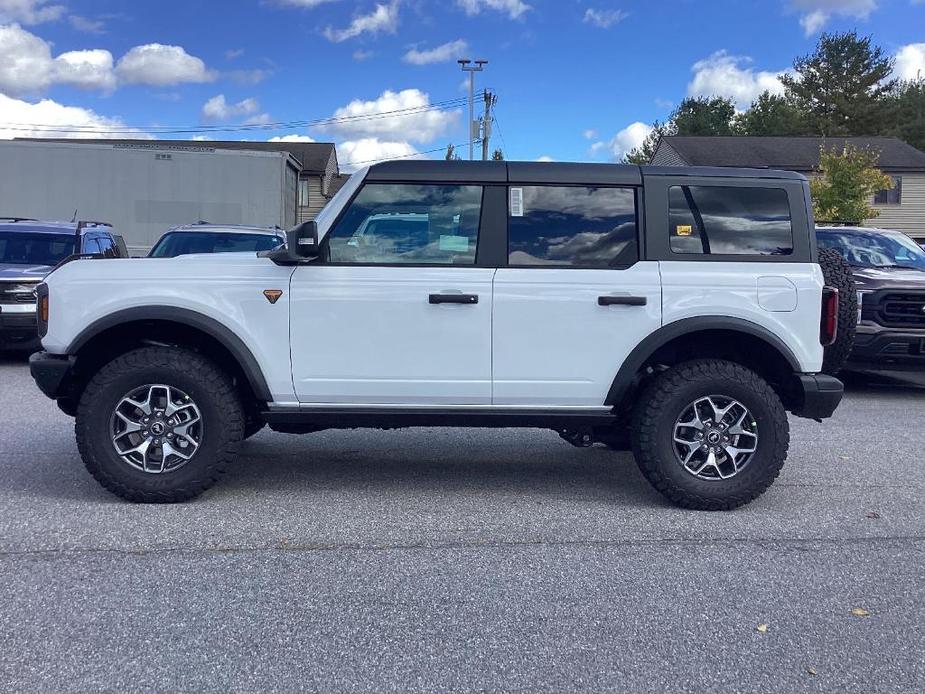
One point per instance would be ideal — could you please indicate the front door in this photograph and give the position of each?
(396, 312)
(574, 300)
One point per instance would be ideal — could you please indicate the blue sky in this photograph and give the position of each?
(575, 80)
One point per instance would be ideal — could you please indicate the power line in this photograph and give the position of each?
(281, 125)
(400, 156)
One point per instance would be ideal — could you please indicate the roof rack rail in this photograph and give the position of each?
(17, 219)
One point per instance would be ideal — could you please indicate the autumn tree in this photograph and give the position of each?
(842, 86)
(848, 178)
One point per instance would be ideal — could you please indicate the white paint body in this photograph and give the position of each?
(366, 335)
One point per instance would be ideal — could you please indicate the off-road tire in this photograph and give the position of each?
(837, 274)
(210, 388)
(664, 400)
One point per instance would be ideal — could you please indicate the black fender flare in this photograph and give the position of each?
(193, 319)
(686, 326)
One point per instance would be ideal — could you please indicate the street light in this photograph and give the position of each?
(467, 66)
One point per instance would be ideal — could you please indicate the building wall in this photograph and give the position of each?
(909, 215)
(316, 200)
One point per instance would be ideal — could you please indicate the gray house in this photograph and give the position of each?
(901, 208)
(318, 162)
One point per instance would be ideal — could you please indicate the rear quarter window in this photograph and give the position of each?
(729, 220)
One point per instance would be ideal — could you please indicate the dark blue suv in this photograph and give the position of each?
(29, 250)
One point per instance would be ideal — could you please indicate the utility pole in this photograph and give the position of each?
(467, 66)
(486, 122)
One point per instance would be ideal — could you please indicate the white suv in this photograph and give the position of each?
(679, 312)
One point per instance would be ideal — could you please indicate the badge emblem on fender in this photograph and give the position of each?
(272, 295)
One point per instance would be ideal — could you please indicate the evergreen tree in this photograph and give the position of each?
(771, 114)
(842, 86)
(704, 116)
(497, 155)
(908, 113)
(644, 152)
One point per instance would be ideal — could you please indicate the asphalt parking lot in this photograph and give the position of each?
(459, 560)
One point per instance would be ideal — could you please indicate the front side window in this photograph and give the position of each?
(410, 223)
(572, 226)
(729, 220)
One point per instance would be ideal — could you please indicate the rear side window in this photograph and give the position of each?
(572, 226)
(729, 220)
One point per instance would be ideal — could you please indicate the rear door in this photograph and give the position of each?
(399, 313)
(574, 298)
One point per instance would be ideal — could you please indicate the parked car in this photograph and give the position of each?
(203, 237)
(29, 249)
(682, 311)
(889, 272)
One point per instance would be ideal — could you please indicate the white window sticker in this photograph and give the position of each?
(517, 202)
(454, 244)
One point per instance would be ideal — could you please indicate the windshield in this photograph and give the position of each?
(881, 249)
(33, 248)
(177, 243)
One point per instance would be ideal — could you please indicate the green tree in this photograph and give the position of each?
(644, 152)
(842, 86)
(847, 181)
(497, 155)
(451, 153)
(704, 116)
(908, 113)
(771, 114)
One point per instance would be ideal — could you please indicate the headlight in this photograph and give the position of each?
(861, 293)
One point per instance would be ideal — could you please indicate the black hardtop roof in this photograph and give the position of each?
(566, 173)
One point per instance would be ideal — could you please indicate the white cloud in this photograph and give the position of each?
(910, 62)
(291, 138)
(727, 75)
(628, 139)
(249, 77)
(453, 50)
(589, 134)
(604, 18)
(414, 121)
(158, 65)
(218, 109)
(815, 14)
(88, 69)
(234, 53)
(29, 11)
(27, 65)
(383, 18)
(354, 154)
(513, 8)
(544, 158)
(50, 114)
(86, 25)
(360, 55)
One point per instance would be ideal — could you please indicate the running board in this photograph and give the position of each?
(308, 419)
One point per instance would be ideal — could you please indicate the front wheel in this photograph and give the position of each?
(710, 435)
(159, 424)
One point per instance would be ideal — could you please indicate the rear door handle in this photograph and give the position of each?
(453, 299)
(621, 301)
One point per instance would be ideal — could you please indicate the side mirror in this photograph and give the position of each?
(301, 243)
(302, 240)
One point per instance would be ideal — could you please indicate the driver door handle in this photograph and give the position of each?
(621, 301)
(453, 299)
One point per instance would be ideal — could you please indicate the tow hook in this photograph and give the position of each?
(580, 438)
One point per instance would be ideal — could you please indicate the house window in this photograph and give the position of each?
(303, 192)
(893, 196)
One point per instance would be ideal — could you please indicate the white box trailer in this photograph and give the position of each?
(143, 190)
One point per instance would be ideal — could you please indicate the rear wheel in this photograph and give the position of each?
(159, 425)
(710, 435)
(837, 273)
